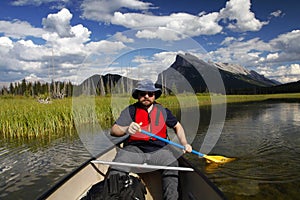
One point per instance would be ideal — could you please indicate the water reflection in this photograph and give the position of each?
(29, 167)
(265, 139)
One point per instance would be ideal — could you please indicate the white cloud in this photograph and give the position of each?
(228, 40)
(6, 45)
(283, 73)
(152, 65)
(272, 56)
(236, 11)
(244, 52)
(103, 10)
(35, 2)
(159, 33)
(239, 17)
(277, 13)
(256, 53)
(26, 50)
(63, 38)
(288, 42)
(5, 41)
(169, 27)
(123, 38)
(65, 49)
(19, 29)
(295, 70)
(33, 78)
(284, 48)
(59, 23)
(104, 46)
(68, 45)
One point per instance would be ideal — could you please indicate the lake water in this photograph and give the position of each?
(263, 137)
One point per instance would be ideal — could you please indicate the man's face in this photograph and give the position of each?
(146, 98)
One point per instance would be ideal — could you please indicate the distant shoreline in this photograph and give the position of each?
(205, 99)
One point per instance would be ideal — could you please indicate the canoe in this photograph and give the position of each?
(193, 183)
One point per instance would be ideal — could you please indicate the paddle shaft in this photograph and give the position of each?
(172, 143)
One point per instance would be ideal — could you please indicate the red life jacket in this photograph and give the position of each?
(153, 122)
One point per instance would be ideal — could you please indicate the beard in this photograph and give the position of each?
(146, 103)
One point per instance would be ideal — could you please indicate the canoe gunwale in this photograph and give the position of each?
(74, 172)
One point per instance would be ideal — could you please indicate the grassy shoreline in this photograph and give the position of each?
(26, 118)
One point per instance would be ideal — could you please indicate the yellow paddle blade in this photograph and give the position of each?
(217, 159)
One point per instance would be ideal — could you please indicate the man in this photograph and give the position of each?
(148, 115)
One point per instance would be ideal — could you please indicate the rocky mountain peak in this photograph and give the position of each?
(192, 69)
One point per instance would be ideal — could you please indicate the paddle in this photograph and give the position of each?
(215, 159)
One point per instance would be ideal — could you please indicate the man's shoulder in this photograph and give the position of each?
(134, 106)
(158, 105)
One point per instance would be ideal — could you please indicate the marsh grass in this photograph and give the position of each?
(26, 117)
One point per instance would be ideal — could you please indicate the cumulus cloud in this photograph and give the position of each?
(105, 46)
(103, 10)
(5, 45)
(69, 45)
(283, 73)
(288, 42)
(65, 47)
(241, 51)
(239, 17)
(159, 33)
(59, 23)
(179, 24)
(19, 29)
(264, 56)
(237, 14)
(284, 48)
(26, 50)
(123, 38)
(272, 56)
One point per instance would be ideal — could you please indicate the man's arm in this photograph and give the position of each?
(118, 131)
(181, 136)
(120, 127)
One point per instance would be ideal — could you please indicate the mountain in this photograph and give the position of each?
(191, 74)
(105, 84)
(238, 69)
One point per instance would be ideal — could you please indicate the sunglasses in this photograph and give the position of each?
(150, 94)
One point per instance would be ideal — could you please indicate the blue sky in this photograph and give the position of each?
(71, 40)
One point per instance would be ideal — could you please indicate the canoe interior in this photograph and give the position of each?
(193, 185)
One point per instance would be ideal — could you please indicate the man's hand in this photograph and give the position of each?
(133, 128)
(187, 148)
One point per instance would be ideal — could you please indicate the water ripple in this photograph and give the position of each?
(26, 165)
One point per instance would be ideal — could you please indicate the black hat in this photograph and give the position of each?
(146, 86)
